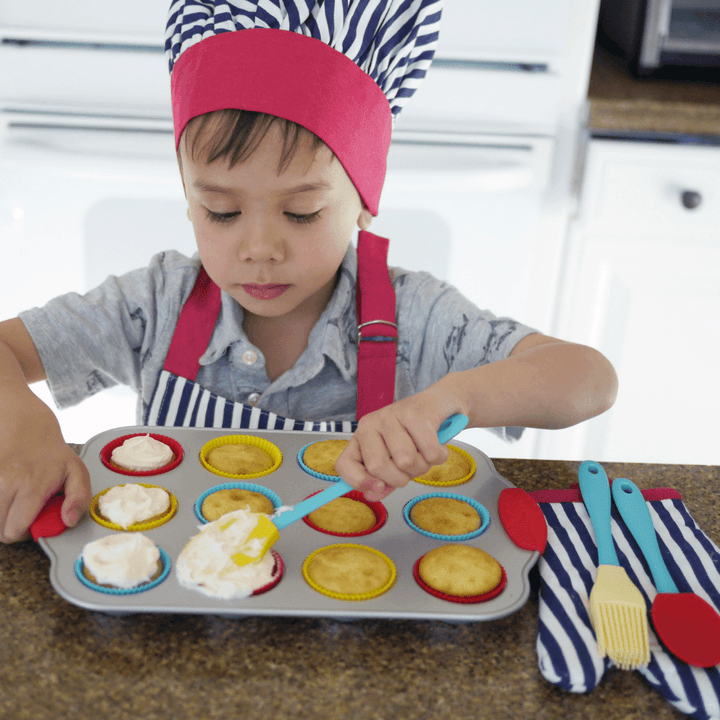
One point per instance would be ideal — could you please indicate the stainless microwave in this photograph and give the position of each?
(653, 33)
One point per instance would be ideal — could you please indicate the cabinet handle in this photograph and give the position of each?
(691, 199)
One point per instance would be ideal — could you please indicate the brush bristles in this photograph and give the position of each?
(622, 635)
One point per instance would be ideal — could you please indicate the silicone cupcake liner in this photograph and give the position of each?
(459, 481)
(269, 494)
(350, 596)
(271, 449)
(482, 511)
(278, 571)
(377, 507)
(156, 521)
(125, 591)
(310, 471)
(174, 445)
(465, 600)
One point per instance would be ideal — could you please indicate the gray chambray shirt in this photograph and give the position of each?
(120, 332)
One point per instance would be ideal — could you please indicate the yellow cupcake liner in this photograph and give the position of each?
(459, 481)
(350, 596)
(272, 450)
(156, 521)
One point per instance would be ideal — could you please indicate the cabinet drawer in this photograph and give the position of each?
(640, 190)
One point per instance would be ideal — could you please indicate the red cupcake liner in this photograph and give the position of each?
(377, 507)
(465, 600)
(278, 571)
(174, 445)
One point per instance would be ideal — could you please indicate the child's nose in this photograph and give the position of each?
(260, 242)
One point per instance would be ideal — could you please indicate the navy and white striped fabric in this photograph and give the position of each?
(179, 402)
(393, 41)
(566, 647)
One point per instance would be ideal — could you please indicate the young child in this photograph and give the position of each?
(282, 124)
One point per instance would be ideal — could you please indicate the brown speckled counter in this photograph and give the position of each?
(669, 105)
(59, 661)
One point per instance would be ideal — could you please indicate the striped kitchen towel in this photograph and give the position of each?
(566, 646)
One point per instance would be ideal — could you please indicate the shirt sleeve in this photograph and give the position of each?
(441, 331)
(105, 337)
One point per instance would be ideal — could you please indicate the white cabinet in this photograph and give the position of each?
(642, 285)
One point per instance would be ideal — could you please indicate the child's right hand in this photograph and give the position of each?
(35, 464)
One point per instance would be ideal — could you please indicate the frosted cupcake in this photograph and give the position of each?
(142, 454)
(122, 561)
(205, 563)
(133, 507)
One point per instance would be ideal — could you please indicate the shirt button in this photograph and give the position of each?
(249, 357)
(253, 398)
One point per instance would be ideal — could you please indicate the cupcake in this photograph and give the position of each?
(227, 500)
(206, 562)
(122, 561)
(350, 515)
(319, 458)
(460, 573)
(143, 454)
(457, 469)
(240, 456)
(349, 572)
(133, 507)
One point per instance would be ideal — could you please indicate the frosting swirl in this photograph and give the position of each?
(142, 452)
(123, 560)
(128, 504)
(206, 563)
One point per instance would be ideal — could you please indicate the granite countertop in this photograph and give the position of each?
(675, 103)
(61, 661)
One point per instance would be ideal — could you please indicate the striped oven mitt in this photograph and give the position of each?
(566, 647)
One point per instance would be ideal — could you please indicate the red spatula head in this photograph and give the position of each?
(522, 519)
(689, 627)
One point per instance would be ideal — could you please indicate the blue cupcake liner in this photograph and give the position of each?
(125, 591)
(269, 494)
(310, 471)
(482, 510)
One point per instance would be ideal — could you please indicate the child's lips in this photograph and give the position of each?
(265, 292)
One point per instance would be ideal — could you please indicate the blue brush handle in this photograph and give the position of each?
(595, 489)
(634, 511)
(449, 429)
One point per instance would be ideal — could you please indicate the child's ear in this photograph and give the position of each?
(364, 219)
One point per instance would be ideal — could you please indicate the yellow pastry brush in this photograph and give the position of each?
(267, 532)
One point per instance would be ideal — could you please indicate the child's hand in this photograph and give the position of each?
(395, 444)
(35, 464)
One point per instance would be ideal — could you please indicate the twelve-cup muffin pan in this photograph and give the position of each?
(189, 479)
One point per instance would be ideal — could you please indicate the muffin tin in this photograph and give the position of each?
(189, 479)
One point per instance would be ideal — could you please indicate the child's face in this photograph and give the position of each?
(273, 241)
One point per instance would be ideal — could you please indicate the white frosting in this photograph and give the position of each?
(206, 563)
(124, 560)
(142, 452)
(128, 504)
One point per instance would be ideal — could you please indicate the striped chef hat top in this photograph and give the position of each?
(343, 69)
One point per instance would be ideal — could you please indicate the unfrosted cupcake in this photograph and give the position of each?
(240, 456)
(351, 515)
(319, 458)
(457, 469)
(460, 573)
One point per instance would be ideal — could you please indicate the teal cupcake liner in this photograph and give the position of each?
(310, 471)
(269, 494)
(482, 511)
(125, 591)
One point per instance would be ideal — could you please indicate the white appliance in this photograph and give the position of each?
(477, 191)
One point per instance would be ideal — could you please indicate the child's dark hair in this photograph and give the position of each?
(235, 134)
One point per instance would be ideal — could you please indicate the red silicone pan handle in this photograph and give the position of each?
(48, 522)
(522, 519)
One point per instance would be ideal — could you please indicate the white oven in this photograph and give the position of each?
(89, 184)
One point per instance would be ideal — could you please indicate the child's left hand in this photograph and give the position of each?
(395, 444)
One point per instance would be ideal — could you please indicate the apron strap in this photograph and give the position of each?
(194, 328)
(377, 330)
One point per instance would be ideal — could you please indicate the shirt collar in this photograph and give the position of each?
(334, 335)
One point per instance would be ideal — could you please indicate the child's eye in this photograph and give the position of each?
(221, 217)
(298, 218)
